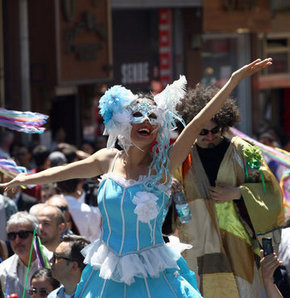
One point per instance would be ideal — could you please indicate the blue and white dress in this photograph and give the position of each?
(131, 258)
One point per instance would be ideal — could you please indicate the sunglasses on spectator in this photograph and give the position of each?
(62, 208)
(214, 130)
(56, 257)
(22, 234)
(42, 292)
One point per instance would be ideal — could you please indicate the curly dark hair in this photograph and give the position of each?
(196, 98)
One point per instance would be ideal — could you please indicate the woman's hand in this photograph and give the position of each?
(250, 69)
(14, 183)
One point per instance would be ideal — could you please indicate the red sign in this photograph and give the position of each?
(165, 42)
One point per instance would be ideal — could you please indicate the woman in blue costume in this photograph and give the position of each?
(131, 258)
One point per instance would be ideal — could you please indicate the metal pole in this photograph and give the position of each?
(2, 77)
(244, 88)
(24, 59)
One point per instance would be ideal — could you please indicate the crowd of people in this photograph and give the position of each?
(72, 235)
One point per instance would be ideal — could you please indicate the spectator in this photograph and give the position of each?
(69, 151)
(23, 156)
(40, 157)
(35, 209)
(20, 228)
(51, 226)
(59, 136)
(22, 200)
(60, 202)
(88, 147)
(228, 201)
(42, 283)
(47, 191)
(57, 158)
(7, 208)
(6, 140)
(68, 264)
(1, 292)
(268, 266)
(286, 142)
(87, 218)
(284, 247)
(3, 251)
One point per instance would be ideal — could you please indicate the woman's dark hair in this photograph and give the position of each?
(196, 98)
(47, 274)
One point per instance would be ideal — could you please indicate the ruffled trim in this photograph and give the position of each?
(146, 262)
(130, 182)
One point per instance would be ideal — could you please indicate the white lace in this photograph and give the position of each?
(123, 268)
(130, 182)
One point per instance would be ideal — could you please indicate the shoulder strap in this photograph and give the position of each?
(114, 161)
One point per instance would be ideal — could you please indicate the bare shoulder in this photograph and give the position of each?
(104, 158)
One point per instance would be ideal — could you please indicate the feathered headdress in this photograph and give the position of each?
(117, 119)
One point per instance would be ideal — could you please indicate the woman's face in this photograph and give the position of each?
(144, 109)
(145, 122)
(40, 287)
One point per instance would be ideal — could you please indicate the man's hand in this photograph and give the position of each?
(224, 193)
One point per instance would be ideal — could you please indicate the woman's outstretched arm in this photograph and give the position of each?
(182, 145)
(92, 166)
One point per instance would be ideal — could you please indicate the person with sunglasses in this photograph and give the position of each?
(67, 265)
(42, 283)
(20, 228)
(131, 259)
(228, 202)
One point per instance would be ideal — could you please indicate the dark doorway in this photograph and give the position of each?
(65, 114)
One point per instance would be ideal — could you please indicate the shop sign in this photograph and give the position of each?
(84, 41)
(135, 73)
(237, 15)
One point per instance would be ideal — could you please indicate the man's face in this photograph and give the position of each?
(49, 228)
(211, 136)
(23, 156)
(21, 241)
(62, 263)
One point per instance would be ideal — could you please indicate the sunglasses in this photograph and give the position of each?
(56, 257)
(214, 130)
(63, 209)
(21, 234)
(42, 292)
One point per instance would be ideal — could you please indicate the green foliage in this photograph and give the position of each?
(253, 156)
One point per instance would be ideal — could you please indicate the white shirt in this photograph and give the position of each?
(86, 217)
(13, 275)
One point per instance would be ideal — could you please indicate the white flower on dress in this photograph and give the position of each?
(146, 206)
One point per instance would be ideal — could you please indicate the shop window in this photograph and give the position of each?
(218, 59)
(276, 46)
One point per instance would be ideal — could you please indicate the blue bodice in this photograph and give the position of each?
(122, 231)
